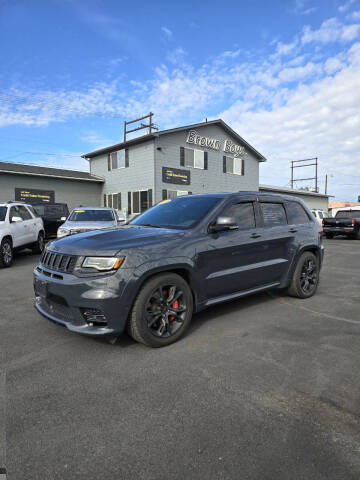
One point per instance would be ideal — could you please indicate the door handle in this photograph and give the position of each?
(293, 230)
(255, 235)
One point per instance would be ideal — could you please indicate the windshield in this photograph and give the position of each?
(3, 211)
(348, 214)
(52, 211)
(181, 212)
(79, 215)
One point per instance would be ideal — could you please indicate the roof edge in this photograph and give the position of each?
(144, 138)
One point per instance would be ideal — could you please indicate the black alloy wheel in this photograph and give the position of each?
(6, 253)
(306, 276)
(165, 310)
(162, 310)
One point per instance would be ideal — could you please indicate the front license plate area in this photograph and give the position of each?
(41, 288)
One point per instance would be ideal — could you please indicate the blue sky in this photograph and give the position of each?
(284, 74)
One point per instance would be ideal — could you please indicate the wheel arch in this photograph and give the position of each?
(183, 270)
(8, 237)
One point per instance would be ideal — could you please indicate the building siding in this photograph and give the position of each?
(212, 180)
(139, 175)
(71, 192)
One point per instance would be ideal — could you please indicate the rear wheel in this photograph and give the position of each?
(329, 235)
(306, 276)
(162, 311)
(40, 243)
(6, 253)
(357, 235)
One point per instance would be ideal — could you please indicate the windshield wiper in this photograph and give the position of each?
(147, 225)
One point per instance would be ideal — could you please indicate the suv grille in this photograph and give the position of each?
(58, 261)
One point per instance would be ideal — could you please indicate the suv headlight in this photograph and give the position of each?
(62, 232)
(102, 264)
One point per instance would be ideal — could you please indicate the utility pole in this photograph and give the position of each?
(326, 184)
(151, 126)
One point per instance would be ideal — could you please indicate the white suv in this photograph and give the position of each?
(20, 227)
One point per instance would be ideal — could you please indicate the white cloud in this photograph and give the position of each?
(167, 31)
(292, 104)
(331, 30)
(346, 6)
(354, 16)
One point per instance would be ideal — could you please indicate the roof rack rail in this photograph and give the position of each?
(16, 201)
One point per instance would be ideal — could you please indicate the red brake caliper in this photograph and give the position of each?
(173, 305)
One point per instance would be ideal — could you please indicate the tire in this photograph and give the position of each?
(329, 235)
(6, 253)
(357, 235)
(40, 243)
(151, 322)
(306, 277)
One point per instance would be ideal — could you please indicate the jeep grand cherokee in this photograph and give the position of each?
(177, 258)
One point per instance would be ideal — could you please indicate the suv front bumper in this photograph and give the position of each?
(67, 300)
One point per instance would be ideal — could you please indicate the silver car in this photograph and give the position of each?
(84, 219)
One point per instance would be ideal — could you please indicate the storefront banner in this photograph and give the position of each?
(175, 176)
(33, 196)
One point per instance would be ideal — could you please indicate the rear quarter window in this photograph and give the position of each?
(274, 214)
(296, 213)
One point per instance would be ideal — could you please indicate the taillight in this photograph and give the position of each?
(353, 222)
(322, 222)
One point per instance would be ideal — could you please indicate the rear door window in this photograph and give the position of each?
(296, 213)
(274, 214)
(243, 213)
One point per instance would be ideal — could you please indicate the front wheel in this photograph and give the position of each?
(162, 311)
(306, 276)
(40, 243)
(6, 253)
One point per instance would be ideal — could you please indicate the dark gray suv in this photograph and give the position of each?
(177, 258)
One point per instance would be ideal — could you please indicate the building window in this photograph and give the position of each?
(139, 201)
(113, 200)
(167, 194)
(234, 165)
(190, 157)
(119, 159)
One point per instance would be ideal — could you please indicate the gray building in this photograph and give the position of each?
(313, 200)
(35, 184)
(201, 158)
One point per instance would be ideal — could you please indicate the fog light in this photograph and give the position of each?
(94, 316)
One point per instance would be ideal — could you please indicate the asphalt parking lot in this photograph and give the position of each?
(266, 387)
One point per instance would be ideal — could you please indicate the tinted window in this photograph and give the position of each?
(80, 215)
(181, 212)
(274, 214)
(296, 213)
(243, 213)
(24, 213)
(3, 211)
(55, 211)
(348, 214)
(32, 211)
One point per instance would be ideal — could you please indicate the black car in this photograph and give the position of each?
(53, 215)
(177, 258)
(346, 222)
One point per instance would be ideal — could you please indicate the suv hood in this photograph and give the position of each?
(110, 242)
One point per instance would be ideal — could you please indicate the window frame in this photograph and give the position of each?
(111, 195)
(241, 202)
(124, 152)
(194, 150)
(234, 159)
(276, 202)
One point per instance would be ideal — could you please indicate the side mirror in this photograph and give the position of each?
(16, 219)
(222, 224)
